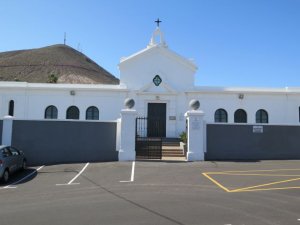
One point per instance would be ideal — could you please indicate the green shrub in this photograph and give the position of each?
(183, 137)
(52, 78)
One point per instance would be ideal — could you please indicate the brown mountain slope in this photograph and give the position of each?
(62, 61)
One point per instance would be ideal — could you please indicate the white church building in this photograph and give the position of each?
(155, 74)
(162, 83)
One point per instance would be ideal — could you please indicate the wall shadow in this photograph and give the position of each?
(20, 177)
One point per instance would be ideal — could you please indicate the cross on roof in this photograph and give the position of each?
(157, 21)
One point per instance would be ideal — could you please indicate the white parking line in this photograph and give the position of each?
(132, 174)
(13, 185)
(71, 181)
(132, 171)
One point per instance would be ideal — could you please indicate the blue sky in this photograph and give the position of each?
(234, 42)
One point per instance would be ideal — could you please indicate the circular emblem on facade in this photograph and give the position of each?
(157, 80)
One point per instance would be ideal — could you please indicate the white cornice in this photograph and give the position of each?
(143, 90)
(165, 51)
(155, 93)
(252, 90)
(46, 86)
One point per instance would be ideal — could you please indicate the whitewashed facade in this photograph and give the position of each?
(176, 90)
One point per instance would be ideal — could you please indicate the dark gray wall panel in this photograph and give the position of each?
(54, 142)
(238, 142)
(1, 127)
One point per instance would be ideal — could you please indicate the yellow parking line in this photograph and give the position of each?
(216, 182)
(256, 174)
(256, 187)
(263, 185)
(265, 189)
(246, 171)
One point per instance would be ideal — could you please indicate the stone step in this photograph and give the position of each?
(171, 139)
(173, 155)
(180, 158)
(172, 152)
(171, 144)
(171, 147)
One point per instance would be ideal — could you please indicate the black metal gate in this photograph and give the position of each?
(148, 140)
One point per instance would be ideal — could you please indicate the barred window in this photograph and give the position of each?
(221, 116)
(240, 116)
(73, 113)
(51, 112)
(11, 108)
(92, 113)
(262, 116)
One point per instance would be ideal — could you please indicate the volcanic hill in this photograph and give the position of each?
(52, 64)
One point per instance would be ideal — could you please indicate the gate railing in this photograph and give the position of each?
(147, 147)
(141, 127)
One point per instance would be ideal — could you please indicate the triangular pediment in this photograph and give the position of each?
(163, 51)
(151, 88)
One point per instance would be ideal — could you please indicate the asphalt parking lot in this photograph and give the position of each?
(148, 192)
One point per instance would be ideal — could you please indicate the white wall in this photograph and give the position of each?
(281, 107)
(109, 104)
(19, 98)
(31, 103)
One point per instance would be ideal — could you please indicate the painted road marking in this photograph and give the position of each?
(13, 185)
(247, 171)
(132, 174)
(261, 187)
(216, 182)
(256, 174)
(268, 184)
(132, 171)
(67, 184)
(71, 181)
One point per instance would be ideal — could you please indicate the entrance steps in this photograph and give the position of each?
(171, 148)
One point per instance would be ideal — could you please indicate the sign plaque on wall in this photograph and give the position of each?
(258, 129)
(172, 117)
(195, 124)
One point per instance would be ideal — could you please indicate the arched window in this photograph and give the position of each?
(73, 113)
(51, 112)
(262, 116)
(92, 113)
(240, 116)
(11, 108)
(221, 116)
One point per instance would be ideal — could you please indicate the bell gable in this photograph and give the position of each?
(157, 59)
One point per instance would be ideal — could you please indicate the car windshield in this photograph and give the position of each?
(6, 152)
(14, 151)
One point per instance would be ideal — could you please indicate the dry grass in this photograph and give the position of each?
(67, 64)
